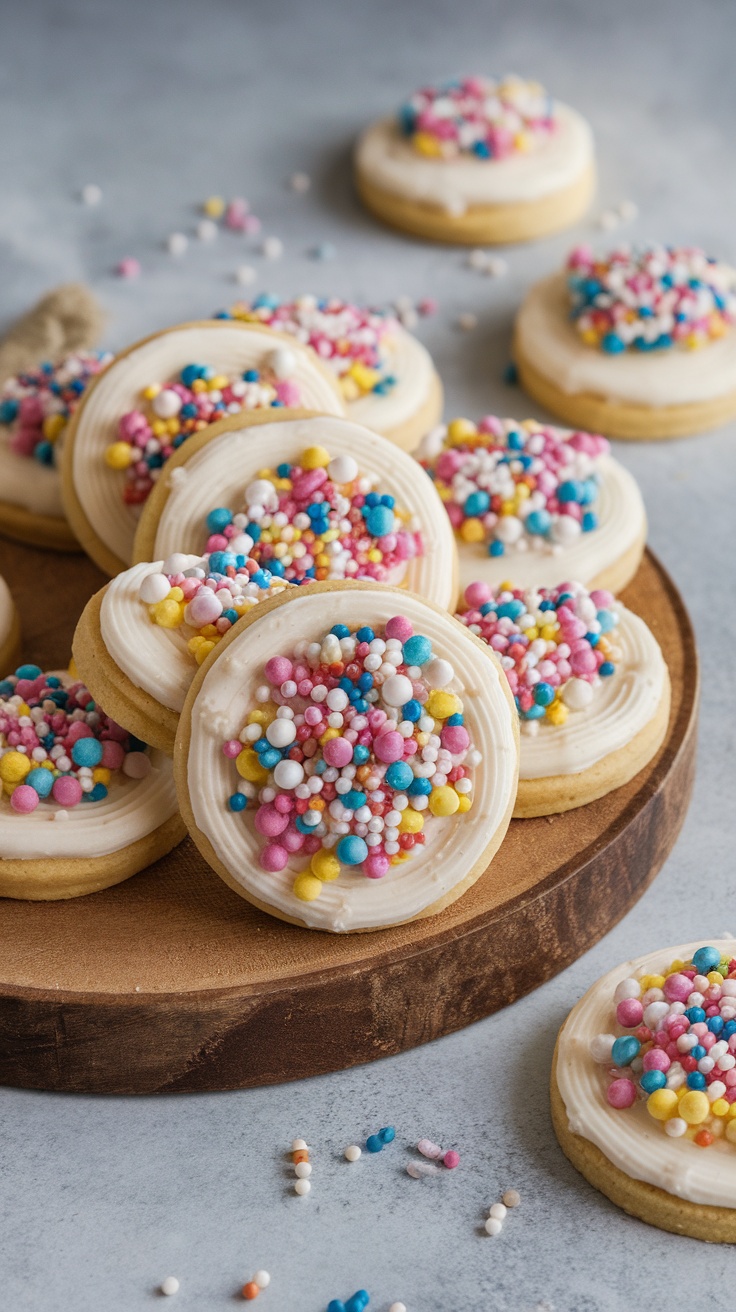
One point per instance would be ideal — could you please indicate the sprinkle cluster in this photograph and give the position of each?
(318, 519)
(519, 486)
(171, 412)
(353, 741)
(56, 744)
(555, 644)
(350, 339)
(39, 403)
(484, 117)
(678, 1051)
(203, 601)
(651, 299)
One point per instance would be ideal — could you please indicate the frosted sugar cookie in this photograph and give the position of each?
(9, 628)
(335, 763)
(35, 408)
(83, 804)
(478, 160)
(644, 1088)
(150, 401)
(638, 343)
(535, 504)
(320, 498)
(590, 685)
(386, 376)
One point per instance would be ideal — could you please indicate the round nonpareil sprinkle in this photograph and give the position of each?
(356, 1303)
(36, 405)
(650, 299)
(675, 1047)
(57, 748)
(511, 486)
(556, 645)
(170, 412)
(487, 118)
(353, 744)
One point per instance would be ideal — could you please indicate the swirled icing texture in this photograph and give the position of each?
(410, 363)
(631, 1139)
(29, 484)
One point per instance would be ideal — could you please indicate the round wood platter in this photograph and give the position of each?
(171, 982)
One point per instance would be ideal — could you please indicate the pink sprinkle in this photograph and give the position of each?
(399, 627)
(24, 799)
(274, 857)
(621, 1093)
(451, 1159)
(477, 594)
(67, 791)
(129, 268)
(629, 1013)
(278, 670)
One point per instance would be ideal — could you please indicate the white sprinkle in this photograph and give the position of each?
(352, 1153)
(207, 230)
(300, 182)
(397, 1307)
(272, 248)
(467, 322)
(497, 1211)
(496, 267)
(512, 1198)
(408, 319)
(302, 1170)
(245, 274)
(298, 1146)
(608, 219)
(91, 194)
(628, 209)
(478, 260)
(262, 1279)
(176, 243)
(493, 1227)
(302, 1188)
(170, 1285)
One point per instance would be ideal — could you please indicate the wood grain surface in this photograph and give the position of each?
(171, 982)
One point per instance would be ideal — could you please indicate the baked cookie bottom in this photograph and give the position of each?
(50, 879)
(46, 531)
(622, 419)
(10, 647)
(482, 224)
(410, 434)
(555, 793)
(645, 1201)
(132, 707)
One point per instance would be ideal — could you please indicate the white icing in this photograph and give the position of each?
(26, 482)
(410, 363)
(387, 159)
(621, 523)
(7, 615)
(631, 1138)
(132, 809)
(453, 846)
(217, 474)
(622, 705)
(230, 348)
(551, 343)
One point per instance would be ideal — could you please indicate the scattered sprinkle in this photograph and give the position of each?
(467, 322)
(237, 215)
(323, 251)
(91, 194)
(129, 268)
(272, 248)
(177, 243)
(628, 209)
(375, 1143)
(214, 207)
(206, 230)
(170, 1285)
(356, 1303)
(353, 1152)
(512, 1198)
(300, 182)
(609, 220)
(245, 274)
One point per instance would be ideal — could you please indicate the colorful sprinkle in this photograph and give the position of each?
(37, 405)
(349, 750)
(650, 299)
(487, 118)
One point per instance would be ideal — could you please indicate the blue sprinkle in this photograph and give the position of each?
(237, 802)
(496, 548)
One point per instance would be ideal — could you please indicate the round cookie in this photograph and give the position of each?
(534, 504)
(638, 344)
(329, 766)
(149, 401)
(590, 684)
(9, 629)
(219, 478)
(83, 804)
(657, 1136)
(35, 408)
(478, 161)
(386, 376)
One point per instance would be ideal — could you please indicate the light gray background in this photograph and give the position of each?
(162, 104)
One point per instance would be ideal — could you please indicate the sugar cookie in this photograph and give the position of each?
(478, 160)
(535, 504)
(643, 1088)
(333, 764)
(637, 344)
(149, 401)
(590, 684)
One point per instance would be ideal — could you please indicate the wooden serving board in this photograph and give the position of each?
(171, 982)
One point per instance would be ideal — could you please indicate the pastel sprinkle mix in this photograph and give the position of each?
(677, 1051)
(38, 404)
(487, 118)
(203, 602)
(320, 518)
(56, 746)
(353, 742)
(650, 299)
(349, 339)
(170, 412)
(555, 645)
(516, 486)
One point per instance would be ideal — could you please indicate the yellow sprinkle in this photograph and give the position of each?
(214, 207)
(151, 391)
(325, 865)
(464, 803)
(459, 430)
(557, 713)
(53, 425)
(471, 530)
(444, 801)
(101, 775)
(426, 144)
(307, 887)
(119, 455)
(249, 767)
(315, 457)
